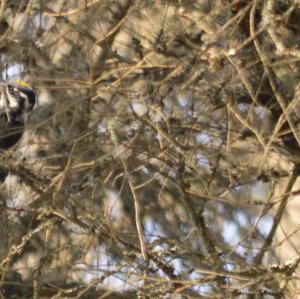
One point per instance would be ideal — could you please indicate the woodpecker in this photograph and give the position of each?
(16, 100)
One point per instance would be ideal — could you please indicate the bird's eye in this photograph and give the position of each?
(12, 89)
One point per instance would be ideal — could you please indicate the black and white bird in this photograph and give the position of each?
(16, 100)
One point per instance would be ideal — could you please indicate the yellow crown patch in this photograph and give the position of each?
(22, 83)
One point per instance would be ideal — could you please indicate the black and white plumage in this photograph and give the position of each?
(15, 101)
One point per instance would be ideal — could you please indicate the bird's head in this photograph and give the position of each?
(16, 99)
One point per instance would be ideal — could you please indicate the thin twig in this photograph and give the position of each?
(137, 206)
(278, 216)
